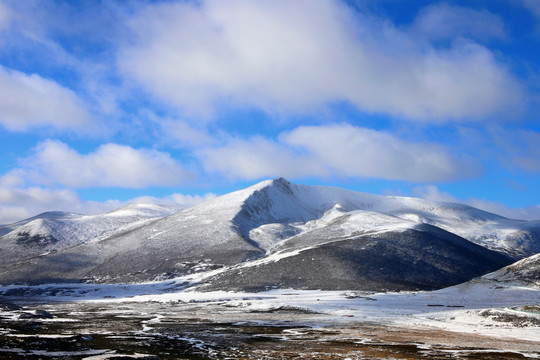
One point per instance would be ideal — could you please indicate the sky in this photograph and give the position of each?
(103, 103)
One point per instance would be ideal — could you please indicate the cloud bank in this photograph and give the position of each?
(335, 150)
(285, 56)
(19, 202)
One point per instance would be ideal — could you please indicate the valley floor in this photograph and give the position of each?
(475, 320)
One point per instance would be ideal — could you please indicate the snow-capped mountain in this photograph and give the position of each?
(51, 232)
(276, 233)
(298, 203)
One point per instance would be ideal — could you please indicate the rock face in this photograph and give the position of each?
(279, 234)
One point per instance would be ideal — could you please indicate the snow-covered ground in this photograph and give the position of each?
(458, 308)
(480, 306)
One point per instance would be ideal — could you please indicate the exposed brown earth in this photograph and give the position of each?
(216, 331)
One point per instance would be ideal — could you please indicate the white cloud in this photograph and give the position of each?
(446, 22)
(110, 165)
(341, 150)
(301, 55)
(355, 151)
(431, 192)
(13, 178)
(258, 157)
(30, 101)
(18, 202)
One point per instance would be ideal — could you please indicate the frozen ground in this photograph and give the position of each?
(479, 319)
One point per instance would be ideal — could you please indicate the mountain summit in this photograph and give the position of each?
(280, 234)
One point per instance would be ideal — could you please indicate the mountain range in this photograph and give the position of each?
(274, 234)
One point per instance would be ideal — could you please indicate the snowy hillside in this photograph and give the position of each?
(526, 271)
(54, 231)
(290, 204)
(270, 234)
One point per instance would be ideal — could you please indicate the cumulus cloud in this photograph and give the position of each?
(259, 157)
(355, 151)
(432, 192)
(446, 22)
(298, 56)
(30, 101)
(341, 150)
(110, 165)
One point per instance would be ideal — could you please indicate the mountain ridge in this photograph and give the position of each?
(275, 217)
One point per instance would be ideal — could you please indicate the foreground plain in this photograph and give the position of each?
(476, 320)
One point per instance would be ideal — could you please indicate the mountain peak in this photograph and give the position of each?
(278, 182)
(283, 184)
(281, 180)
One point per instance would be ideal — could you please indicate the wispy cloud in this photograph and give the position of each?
(533, 6)
(5, 16)
(432, 192)
(443, 21)
(183, 134)
(517, 148)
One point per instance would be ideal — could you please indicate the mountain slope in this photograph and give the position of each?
(281, 202)
(406, 257)
(349, 234)
(525, 271)
(55, 231)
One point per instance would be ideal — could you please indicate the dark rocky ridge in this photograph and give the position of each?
(426, 258)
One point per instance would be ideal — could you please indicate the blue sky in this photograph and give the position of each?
(174, 102)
